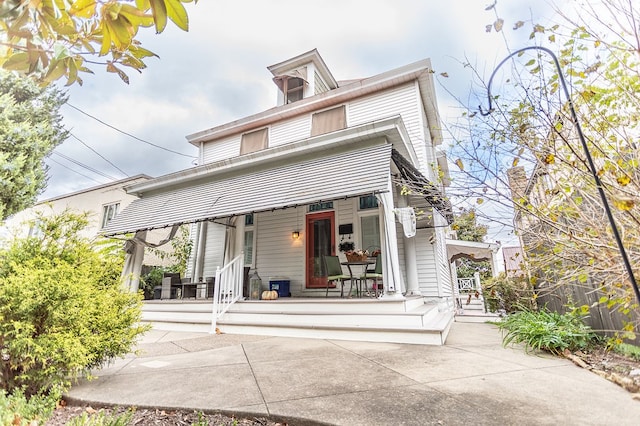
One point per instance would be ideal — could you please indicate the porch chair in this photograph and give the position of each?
(334, 273)
(375, 275)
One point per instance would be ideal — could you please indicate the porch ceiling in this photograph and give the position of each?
(336, 175)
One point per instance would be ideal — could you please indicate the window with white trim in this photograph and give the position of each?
(293, 89)
(369, 222)
(109, 211)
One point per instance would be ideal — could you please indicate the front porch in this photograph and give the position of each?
(409, 320)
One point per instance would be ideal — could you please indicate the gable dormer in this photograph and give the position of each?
(301, 77)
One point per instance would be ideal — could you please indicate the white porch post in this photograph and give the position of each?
(392, 280)
(134, 255)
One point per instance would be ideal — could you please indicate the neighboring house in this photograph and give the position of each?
(102, 203)
(276, 191)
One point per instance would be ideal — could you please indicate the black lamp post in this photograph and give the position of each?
(592, 168)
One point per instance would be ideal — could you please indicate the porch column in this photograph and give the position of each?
(392, 280)
(134, 255)
(410, 259)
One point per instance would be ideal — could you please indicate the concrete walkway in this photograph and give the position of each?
(472, 380)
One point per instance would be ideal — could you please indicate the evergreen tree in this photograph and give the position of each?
(30, 128)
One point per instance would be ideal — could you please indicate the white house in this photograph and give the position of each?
(102, 203)
(277, 191)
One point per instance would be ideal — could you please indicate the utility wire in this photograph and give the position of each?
(99, 155)
(75, 171)
(84, 166)
(128, 134)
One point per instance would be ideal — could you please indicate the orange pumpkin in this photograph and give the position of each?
(269, 295)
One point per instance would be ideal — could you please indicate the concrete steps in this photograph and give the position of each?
(403, 321)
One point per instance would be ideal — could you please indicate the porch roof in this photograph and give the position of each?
(457, 249)
(338, 173)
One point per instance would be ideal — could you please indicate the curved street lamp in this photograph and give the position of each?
(592, 168)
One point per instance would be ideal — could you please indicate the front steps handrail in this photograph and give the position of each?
(227, 289)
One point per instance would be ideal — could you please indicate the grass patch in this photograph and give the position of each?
(547, 331)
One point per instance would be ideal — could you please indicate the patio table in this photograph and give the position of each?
(361, 263)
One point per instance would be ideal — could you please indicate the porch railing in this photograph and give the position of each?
(470, 285)
(227, 289)
(466, 285)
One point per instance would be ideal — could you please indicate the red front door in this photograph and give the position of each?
(320, 231)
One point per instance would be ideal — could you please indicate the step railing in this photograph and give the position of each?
(467, 285)
(227, 289)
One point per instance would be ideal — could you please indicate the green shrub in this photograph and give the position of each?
(62, 308)
(548, 331)
(510, 294)
(17, 409)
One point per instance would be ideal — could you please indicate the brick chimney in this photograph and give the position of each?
(517, 182)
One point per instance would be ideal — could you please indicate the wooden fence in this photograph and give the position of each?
(600, 318)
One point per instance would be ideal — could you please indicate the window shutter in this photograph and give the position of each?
(328, 121)
(253, 141)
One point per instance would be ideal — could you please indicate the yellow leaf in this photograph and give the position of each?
(177, 13)
(624, 205)
(106, 40)
(159, 12)
(623, 180)
(83, 8)
(549, 159)
(459, 164)
(17, 62)
(515, 162)
(498, 24)
(480, 200)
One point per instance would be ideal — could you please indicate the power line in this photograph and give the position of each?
(99, 155)
(75, 171)
(84, 166)
(128, 134)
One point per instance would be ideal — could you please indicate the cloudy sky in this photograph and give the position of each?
(217, 73)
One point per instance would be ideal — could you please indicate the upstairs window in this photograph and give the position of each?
(109, 211)
(293, 89)
(328, 121)
(254, 141)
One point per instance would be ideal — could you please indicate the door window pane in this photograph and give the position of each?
(321, 245)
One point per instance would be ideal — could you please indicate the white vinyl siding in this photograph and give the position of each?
(222, 149)
(444, 271)
(319, 84)
(292, 130)
(277, 254)
(403, 101)
(426, 262)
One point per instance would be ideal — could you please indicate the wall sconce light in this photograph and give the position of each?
(295, 235)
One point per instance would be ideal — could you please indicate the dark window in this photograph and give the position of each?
(321, 206)
(368, 202)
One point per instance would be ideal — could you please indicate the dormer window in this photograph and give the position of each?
(293, 89)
